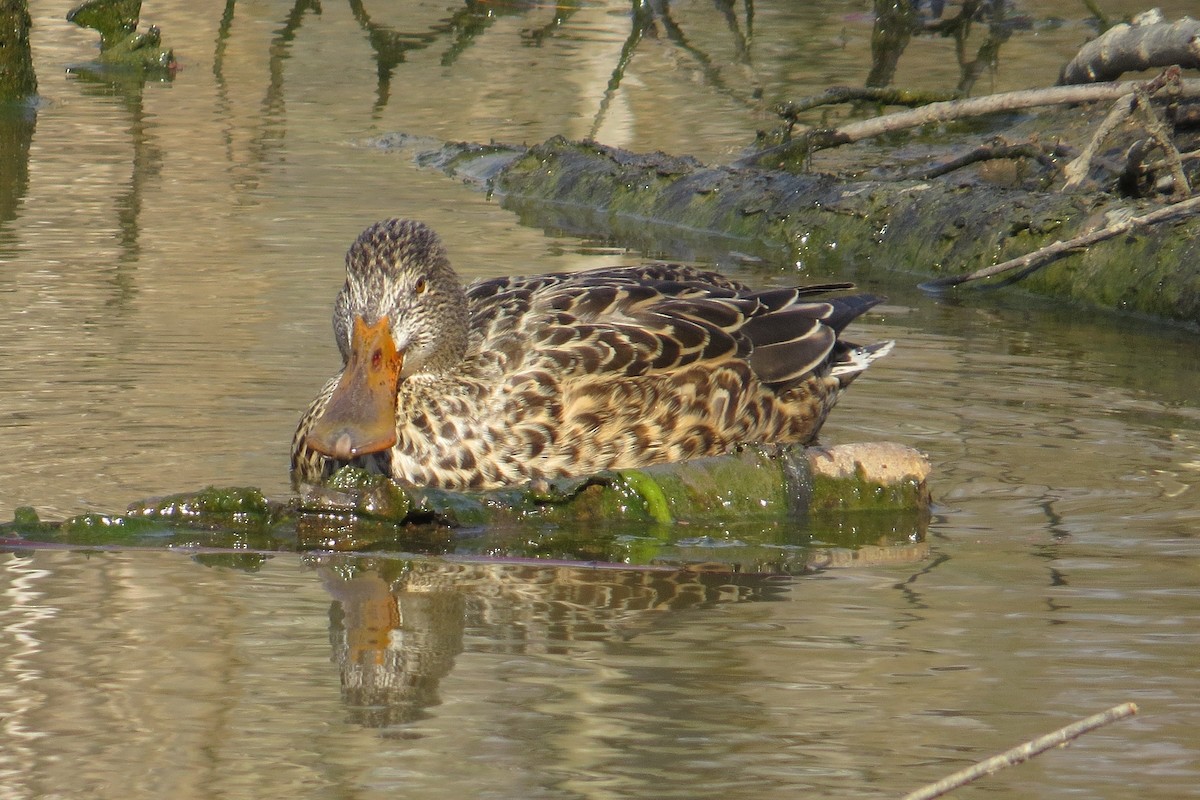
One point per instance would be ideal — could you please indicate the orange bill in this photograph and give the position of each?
(360, 416)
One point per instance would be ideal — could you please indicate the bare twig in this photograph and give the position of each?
(1162, 136)
(1192, 155)
(989, 104)
(1052, 252)
(1023, 752)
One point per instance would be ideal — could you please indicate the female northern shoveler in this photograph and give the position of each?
(519, 379)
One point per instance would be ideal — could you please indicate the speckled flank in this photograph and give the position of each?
(572, 373)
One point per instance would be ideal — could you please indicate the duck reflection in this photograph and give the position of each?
(396, 626)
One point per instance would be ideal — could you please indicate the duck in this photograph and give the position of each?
(516, 381)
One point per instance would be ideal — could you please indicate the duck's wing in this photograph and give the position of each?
(797, 335)
(673, 278)
(656, 318)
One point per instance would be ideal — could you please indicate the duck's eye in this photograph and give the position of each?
(419, 286)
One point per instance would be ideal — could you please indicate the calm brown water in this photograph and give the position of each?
(167, 270)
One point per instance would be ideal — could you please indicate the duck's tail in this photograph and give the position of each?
(856, 358)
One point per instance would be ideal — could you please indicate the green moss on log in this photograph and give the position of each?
(121, 44)
(942, 226)
(761, 508)
(211, 504)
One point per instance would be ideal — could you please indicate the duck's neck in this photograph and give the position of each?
(450, 347)
(439, 338)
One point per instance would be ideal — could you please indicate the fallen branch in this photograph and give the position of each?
(1132, 48)
(949, 111)
(1017, 755)
(989, 104)
(1052, 252)
(1077, 170)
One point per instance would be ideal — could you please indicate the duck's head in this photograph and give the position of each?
(401, 312)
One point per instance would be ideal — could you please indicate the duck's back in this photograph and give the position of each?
(573, 373)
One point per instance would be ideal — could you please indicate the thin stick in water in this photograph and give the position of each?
(1023, 752)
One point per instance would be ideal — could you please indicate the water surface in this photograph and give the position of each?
(167, 268)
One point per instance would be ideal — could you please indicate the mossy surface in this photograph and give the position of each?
(941, 226)
(121, 44)
(18, 81)
(860, 494)
(747, 510)
(208, 506)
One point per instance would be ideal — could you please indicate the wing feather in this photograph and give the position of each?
(658, 318)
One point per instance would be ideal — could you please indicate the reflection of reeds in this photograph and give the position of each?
(645, 18)
(465, 25)
(896, 22)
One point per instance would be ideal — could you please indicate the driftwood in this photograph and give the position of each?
(1150, 43)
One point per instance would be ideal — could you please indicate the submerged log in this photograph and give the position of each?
(755, 482)
(779, 510)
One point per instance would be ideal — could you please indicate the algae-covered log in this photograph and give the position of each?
(945, 225)
(753, 482)
(767, 509)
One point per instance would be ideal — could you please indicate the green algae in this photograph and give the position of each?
(655, 504)
(26, 520)
(83, 529)
(759, 508)
(18, 81)
(212, 505)
(102, 528)
(112, 19)
(374, 496)
(121, 44)
(859, 493)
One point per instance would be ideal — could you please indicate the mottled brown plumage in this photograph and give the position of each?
(519, 379)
